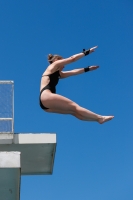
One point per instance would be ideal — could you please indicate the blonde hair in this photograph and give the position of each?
(51, 58)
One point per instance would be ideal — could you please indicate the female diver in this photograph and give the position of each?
(54, 103)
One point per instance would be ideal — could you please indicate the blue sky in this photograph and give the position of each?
(92, 162)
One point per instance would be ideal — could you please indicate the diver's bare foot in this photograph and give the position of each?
(103, 119)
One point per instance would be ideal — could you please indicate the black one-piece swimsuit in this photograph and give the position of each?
(54, 79)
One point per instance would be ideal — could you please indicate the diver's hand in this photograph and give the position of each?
(91, 68)
(93, 49)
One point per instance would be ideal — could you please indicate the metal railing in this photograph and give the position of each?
(6, 106)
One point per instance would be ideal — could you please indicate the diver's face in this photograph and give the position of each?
(60, 58)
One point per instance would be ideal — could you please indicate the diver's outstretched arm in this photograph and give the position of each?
(65, 74)
(74, 58)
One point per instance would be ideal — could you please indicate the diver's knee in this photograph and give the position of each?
(75, 108)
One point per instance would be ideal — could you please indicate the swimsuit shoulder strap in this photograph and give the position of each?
(46, 75)
(50, 74)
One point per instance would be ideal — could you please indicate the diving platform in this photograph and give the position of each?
(20, 153)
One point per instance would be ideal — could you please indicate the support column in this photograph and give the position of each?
(10, 171)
